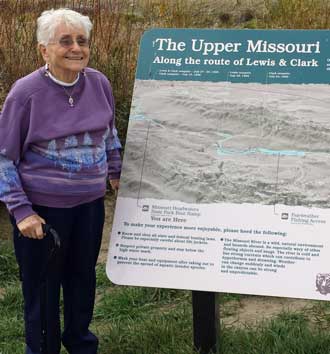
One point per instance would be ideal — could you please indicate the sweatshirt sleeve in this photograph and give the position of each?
(113, 146)
(13, 130)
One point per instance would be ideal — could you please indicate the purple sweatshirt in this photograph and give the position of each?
(53, 154)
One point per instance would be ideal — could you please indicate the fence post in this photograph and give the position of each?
(206, 322)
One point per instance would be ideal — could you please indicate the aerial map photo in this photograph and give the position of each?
(222, 142)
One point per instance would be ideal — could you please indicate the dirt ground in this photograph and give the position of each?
(110, 203)
(248, 310)
(5, 227)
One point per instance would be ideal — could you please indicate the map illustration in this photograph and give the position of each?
(222, 142)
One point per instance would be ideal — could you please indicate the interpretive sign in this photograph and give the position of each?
(226, 177)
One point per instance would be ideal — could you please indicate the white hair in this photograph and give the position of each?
(49, 20)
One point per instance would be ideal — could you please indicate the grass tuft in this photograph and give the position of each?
(289, 333)
(8, 266)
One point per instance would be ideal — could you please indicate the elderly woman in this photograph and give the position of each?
(58, 145)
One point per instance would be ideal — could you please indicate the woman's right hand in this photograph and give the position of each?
(32, 227)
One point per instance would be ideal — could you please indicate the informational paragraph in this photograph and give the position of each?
(251, 257)
(143, 248)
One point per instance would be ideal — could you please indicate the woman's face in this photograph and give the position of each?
(68, 53)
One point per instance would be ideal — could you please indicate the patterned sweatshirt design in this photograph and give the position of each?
(53, 154)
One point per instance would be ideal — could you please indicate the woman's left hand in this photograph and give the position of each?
(114, 184)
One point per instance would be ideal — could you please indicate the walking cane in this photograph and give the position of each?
(56, 244)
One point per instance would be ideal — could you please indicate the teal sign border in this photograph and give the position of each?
(242, 56)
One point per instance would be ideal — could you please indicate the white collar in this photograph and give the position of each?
(59, 82)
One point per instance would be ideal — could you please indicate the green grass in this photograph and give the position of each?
(155, 332)
(8, 267)
(11, 303)
(288, 333)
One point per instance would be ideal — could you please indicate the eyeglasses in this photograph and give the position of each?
(68, 41)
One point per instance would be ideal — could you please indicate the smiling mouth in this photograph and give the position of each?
(74, 58)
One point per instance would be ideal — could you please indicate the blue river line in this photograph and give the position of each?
(137, 117)
(141, 117)
(223, 151)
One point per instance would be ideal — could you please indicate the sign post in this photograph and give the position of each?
(206, 322)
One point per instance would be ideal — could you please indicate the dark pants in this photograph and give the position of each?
(80, 231)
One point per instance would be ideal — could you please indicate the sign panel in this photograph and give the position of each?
(225, 182)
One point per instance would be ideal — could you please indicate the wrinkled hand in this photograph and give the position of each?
(114, 184)
(31, 226)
